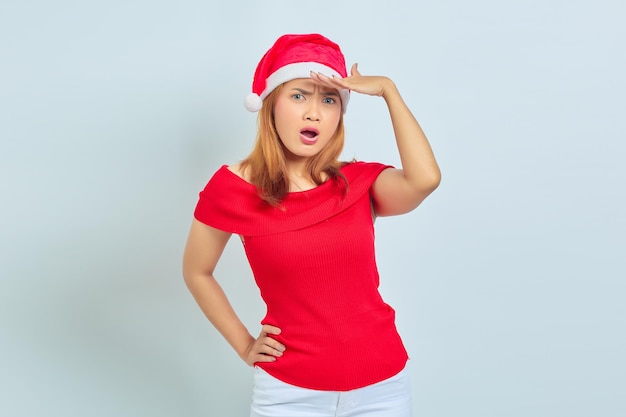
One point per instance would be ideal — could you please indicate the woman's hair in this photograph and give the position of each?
(266, 163)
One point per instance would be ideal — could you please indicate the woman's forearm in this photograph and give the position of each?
(216, 307)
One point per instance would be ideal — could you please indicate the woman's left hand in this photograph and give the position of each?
(370, 85)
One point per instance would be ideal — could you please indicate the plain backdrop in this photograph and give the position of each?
(509, 281)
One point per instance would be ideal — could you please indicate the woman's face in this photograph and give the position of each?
(306, 116)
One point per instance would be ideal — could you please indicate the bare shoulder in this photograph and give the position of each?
(239, 170)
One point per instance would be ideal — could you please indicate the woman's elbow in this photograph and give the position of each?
(428, 184)
(435, 180)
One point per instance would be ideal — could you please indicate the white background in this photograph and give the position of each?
(508, 281)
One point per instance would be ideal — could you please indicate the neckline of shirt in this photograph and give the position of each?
(290, 193)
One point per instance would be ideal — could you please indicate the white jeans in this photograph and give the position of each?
(274, 398)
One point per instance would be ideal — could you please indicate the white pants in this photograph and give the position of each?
(274, 398)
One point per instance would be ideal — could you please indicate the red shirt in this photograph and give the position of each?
(314, 262)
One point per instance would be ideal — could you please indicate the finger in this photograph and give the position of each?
(265, 339)
(264, 358)
(269, 329)
(322, 79)
(355, 69)
(261, 350)
(334, 82)
(272, 344)
(269, 350)
(315, 76)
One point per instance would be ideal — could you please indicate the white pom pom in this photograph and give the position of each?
(253, 102)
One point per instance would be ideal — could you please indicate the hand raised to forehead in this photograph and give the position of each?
(370, 85)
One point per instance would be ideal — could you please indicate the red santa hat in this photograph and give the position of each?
(295, 56)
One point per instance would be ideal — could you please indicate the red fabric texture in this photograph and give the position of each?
(313, 260)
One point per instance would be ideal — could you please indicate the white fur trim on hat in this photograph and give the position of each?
(291, 72)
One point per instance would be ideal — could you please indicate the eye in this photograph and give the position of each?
(329, 100)
(297, 96)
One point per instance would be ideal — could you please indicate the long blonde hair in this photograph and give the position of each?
(266, 163)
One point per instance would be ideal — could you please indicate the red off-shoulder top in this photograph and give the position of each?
(313, 260)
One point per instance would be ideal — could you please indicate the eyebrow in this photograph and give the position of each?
(323, 92)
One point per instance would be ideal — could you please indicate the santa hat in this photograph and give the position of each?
(295, 56)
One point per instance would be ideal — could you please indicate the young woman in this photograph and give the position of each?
(328, 345)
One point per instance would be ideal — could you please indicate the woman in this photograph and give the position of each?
(328, 345)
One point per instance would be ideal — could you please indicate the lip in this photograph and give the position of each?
(307, 140)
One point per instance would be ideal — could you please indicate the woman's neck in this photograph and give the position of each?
(300, 181)
(299, 177)
(297, 169)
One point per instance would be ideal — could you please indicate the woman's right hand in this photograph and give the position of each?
(264, 348)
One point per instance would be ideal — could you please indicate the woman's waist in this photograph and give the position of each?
(306, 332)
(331, 364)
(335, 310)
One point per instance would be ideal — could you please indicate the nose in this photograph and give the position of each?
(312, 113)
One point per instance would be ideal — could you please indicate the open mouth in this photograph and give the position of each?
(309, 133)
